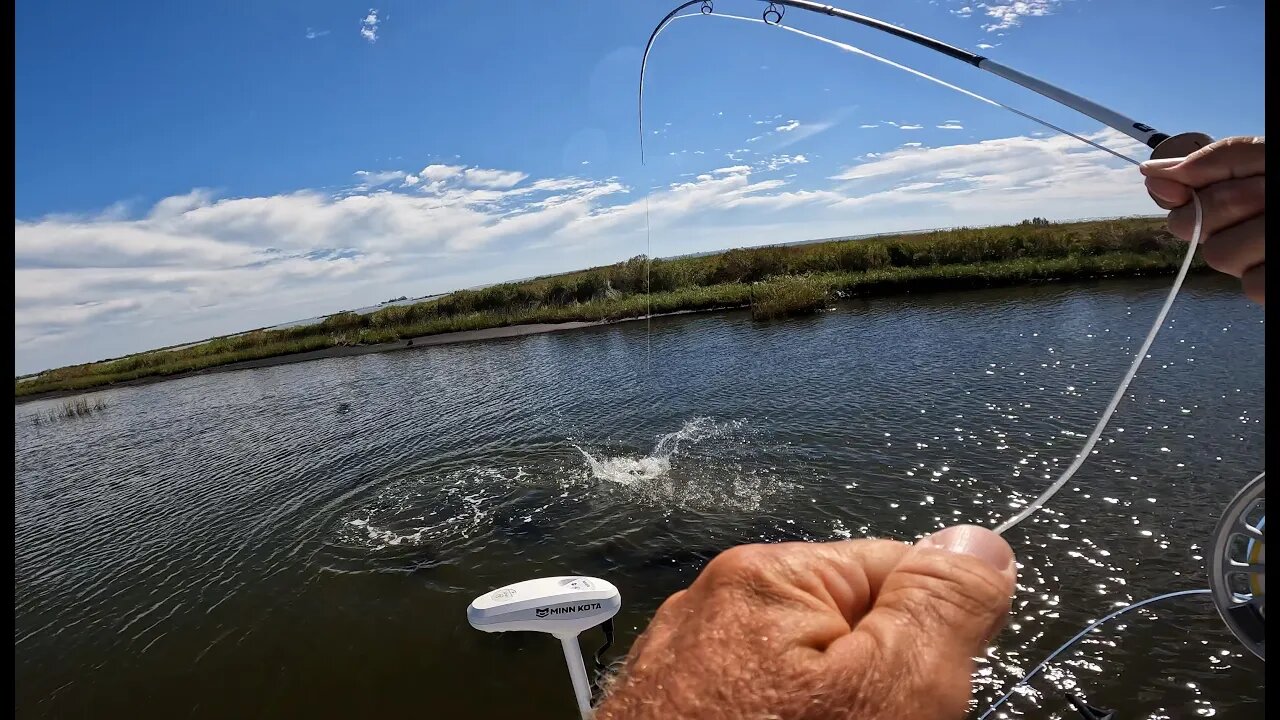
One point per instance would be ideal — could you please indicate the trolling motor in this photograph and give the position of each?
(560, 606)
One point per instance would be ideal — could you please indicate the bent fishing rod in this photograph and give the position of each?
(1161, 144)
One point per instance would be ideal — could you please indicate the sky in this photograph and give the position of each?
(188, 170)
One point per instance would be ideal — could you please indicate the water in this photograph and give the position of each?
(303, 540)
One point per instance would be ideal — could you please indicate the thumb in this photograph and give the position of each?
(937, 610)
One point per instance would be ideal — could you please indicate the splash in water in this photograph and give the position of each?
(718, 475)
(657, 464)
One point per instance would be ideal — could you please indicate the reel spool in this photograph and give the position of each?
(1237, 566)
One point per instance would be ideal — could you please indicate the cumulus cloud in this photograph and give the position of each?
(492, 178)
(196, 265)
(440, 172)
(910, 127)
(788, 126)
(1007, 15)
(369, 26)
(949, 125)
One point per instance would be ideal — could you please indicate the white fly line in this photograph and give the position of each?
(1123, 387)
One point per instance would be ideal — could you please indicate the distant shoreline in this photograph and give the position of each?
(452, 338)
(465, 336)
(772, 281)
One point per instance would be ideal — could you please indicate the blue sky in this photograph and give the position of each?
(185, 170)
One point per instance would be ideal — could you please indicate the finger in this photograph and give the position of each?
(1223, 204)
(1238, 248)
(656, 637)
(1236, 157)
(1168, 194)
(936, 611)
(1253, 281)
(808, 594)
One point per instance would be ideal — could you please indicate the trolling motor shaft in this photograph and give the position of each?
(560, 606)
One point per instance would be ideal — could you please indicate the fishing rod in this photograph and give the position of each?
(1237, 569)
(1161, 144)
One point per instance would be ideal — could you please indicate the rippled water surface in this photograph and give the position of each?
(303, 540)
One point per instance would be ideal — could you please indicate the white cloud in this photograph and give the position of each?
(912, 144)
(778, 161)
(492, 178)
(910, 127)
(440, 172)
(197, 265)
(865, 126)
(965, 11)
(805, 131)
(1009, 14)
(313, 34)
(371, 179)
(985, 46)
(950, 125)
(369, 26)
(788, 126)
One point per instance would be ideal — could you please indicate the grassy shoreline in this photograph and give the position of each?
(774, 281)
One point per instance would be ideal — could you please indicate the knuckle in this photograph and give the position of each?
(1236, 199)
(743, 563)
(953, 587)
(671, 604)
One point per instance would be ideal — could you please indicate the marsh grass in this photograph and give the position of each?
(787, 296)
(70, 410)
(791, 279)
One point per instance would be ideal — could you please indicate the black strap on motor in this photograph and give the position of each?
(1089, 712)
(599, 659)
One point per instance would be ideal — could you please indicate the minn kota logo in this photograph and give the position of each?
(545, 611)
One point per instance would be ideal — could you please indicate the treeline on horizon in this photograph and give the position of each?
(773, 280)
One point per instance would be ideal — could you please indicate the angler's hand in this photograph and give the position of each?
(1230, 178)
(867, 629)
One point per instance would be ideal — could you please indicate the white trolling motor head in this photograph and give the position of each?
(559, 606)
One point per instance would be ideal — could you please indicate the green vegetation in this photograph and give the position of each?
(70, 410)
(789, 295)
(776, 281)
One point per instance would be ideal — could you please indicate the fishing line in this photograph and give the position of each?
(859, 51)
(1196, 238)
(1078, 636)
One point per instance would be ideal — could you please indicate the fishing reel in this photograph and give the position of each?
(1237, 569)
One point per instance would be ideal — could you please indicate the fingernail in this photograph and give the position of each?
(1162, 164)
(1165, 190)
(979, 542)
